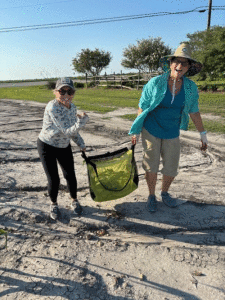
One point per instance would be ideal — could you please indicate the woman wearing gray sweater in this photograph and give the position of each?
(61, 123)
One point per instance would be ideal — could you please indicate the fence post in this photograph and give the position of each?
(86, 78)
(138, 80)
(106, 79)
(121, 79)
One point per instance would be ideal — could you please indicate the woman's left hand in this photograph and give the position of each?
(203, 147)
(204, 140)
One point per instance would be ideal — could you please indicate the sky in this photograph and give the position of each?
(46, 53)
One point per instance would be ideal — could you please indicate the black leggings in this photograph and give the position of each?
(49, 156)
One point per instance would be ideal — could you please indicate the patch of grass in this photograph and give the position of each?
(32, 93)
(92, 107)
(210, 126)
(200, 82)
(209, 102)
(93, 99)
(102, 100)
(212, 103)
(129, 117)
(105, 100)
(110, 97)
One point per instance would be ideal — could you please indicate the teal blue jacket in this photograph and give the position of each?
(154, 92)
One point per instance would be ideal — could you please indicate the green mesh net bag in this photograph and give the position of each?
(112, 175)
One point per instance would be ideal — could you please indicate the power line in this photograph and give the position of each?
(104, 20)
(95, 20)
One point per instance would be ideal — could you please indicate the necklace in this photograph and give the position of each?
(174, 88)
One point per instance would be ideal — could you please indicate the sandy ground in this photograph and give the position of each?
(116, 249)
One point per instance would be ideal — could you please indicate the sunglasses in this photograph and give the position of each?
(178, 61)
(63, 92)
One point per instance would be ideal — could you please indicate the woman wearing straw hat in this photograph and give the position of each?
(164, 108)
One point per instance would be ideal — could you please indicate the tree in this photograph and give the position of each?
(145, 55)
(208, 47)
(132, 58)
(91, 62)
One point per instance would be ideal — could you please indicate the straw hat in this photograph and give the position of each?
(182, 51)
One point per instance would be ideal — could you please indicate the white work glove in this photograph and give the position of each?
(203, 140)
(83, 117)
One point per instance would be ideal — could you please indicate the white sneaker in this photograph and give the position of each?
(54, 211)
(76, 207)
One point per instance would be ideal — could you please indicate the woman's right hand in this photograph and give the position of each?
(134, 139)
(82, 115)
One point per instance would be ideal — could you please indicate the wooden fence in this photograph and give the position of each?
(122, 81)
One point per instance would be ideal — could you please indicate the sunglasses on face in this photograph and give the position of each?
(63, 92)
(178, 61)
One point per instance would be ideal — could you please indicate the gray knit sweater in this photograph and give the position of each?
(61, 124)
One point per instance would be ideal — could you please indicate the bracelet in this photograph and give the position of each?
(203, 132)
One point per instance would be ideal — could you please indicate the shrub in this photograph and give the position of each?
(51, 85)
(221, 86)
(110, 83)
(128, 83)
(78, 85)
(134, 77)
(213, 87)
(91, 84)
(143, 82)
(203, 87)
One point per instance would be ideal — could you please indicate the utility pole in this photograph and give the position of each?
(209, 14)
